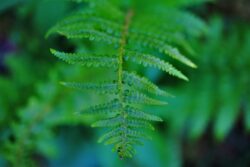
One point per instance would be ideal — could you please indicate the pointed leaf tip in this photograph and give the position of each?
(194, 66)
(184, 78)
(63, 83)
(53, 51)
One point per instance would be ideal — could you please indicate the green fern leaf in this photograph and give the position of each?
(141, 83)
(85, 59)
(113, 133)
(139, 98)
(135, 113)
(106, 88)
(133, 35)
(135, 123)
(112, 122)
(151, 61)
(163, 36)
(163, 48)
(107, 109)
(137, 134)
(87, 20)
(91, 34)
(113, 140)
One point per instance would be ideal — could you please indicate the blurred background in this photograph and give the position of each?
(206, 124)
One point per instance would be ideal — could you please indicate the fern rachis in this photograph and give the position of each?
(122, 148)
(131, 42)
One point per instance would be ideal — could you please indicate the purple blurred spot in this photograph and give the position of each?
(5, 47)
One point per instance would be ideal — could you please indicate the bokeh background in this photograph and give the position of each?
(206, 124)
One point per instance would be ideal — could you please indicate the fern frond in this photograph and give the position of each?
(115, 140)
(125, 149)
(135, 97)
(152, 61)
(113, 133)
(116, 121)
(106, 88)
(137, 134)
(163, 36)
(86, 59)
(136, 82)
(116, 132)
(89, 33)
(107, 109)
(96, 27)
(180, 21)
(112, 122)
(163, 48)
(77, 17)
(133, 36)
(135, 123)
(135, 113)
(185, 19)
(72, 27)
(101, 6)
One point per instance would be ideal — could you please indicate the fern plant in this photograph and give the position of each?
(129, 34)
(222, 99)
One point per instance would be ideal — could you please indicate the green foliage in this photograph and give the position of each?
(38, 124)
(122, 33)
(34, 129)
(218, 99)
(186, 2)
(21, 100)
(5, 4)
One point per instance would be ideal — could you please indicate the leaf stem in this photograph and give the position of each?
(123, 42)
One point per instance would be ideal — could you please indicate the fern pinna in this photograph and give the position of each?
(133, 36)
